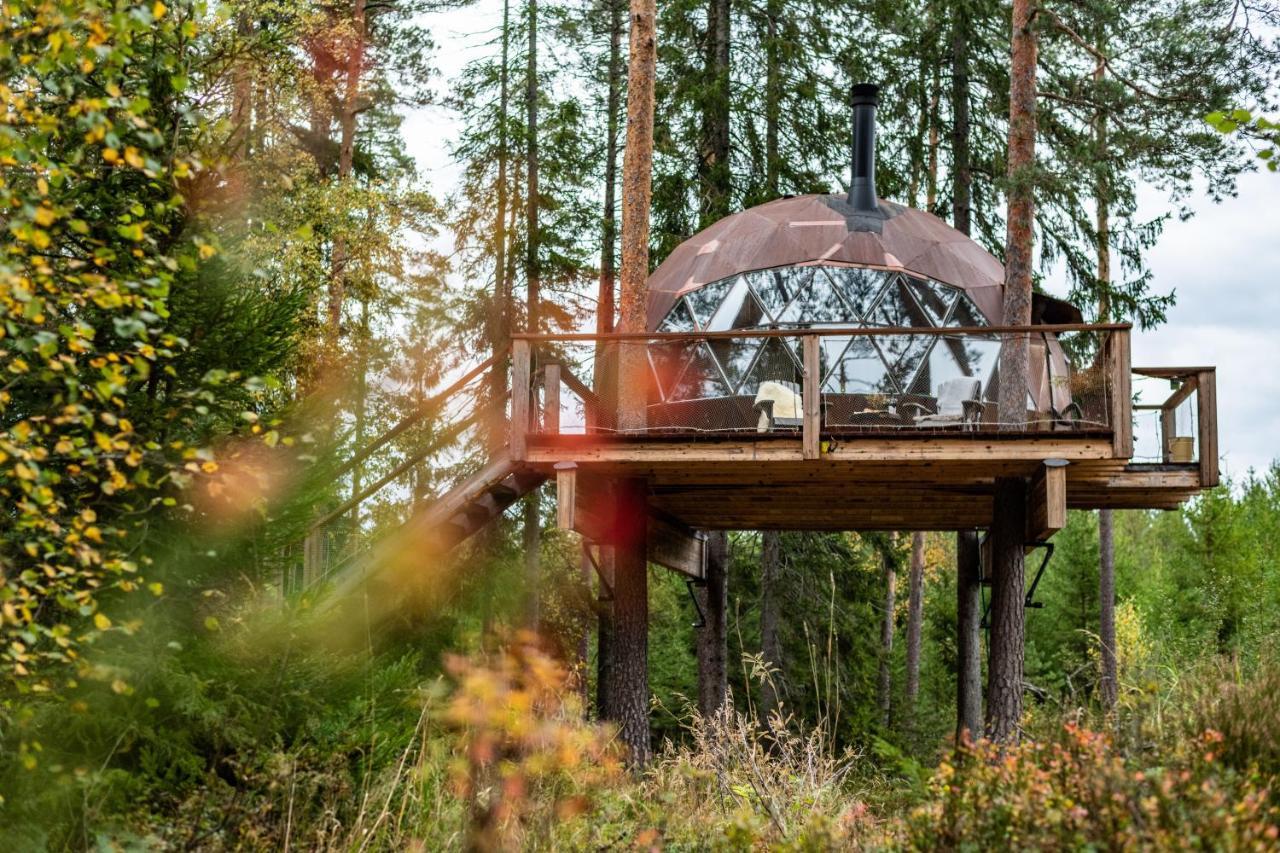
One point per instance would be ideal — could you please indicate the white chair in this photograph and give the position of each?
(779, 404)
(958, 405)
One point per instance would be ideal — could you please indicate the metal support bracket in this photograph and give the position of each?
(689, 584)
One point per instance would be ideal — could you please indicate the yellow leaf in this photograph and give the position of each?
(158, 9)
(101, 622)
(132, 157)
(119, 686)
(45, 216)
(111, 155)
(211, 623)
(156, 588)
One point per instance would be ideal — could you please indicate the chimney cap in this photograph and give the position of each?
(865, 93)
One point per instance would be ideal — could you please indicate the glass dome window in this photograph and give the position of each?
(816, 297)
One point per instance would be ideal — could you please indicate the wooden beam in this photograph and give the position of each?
(1207, 411)
(520, 391)
(1047, 501)
(566, 495)
(677, 547)
(812, 390)
(551, 399)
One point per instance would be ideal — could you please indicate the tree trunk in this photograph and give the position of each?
(604, 636)
(915, 618)
(772, 98)
(499, 316)
(533, 237)
(1109, 677)
(1008, 592)
(770, 648)
(583, 652)
(713, 649)
(714, 162)
(532, 545)
(1021, 216)
(629, 679)
(637, 191)
(884, 689)
(961, 177)
(346, 157)
(609, 228)
(931, 179)
(968, 636)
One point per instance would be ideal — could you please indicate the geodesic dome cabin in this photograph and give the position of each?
(839, 261)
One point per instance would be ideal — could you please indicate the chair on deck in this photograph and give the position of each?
(779, 404)
(958, 405)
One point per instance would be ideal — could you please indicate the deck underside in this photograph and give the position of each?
(866, 482)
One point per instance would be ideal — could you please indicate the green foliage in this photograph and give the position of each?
(1262, 129)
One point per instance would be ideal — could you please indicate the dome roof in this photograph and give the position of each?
(823, 229)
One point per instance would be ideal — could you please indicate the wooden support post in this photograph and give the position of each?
(629, 675)
(1008, 600)
(1121, 378)
(566, 494)
(811, 397)
(968, 636)
(1168, 428)
(1047, 506)
(551, 399)
(1207, 415)
(521, 365)
(713, 637)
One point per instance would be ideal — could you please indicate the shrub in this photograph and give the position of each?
(1247, 714)
(1077, 792)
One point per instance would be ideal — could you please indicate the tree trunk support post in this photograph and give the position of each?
(968, 636)
(713, 647)
(629, 673)
(1008, 602)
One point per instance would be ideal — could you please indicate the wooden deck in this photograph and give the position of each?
(815, 477)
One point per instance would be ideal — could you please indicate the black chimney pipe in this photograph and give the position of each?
(862, 189)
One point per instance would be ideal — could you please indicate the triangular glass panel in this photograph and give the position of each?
(705, 300)
(735, 356)
(933, 297)
(853, 365)
(776, 362)
(965, 314)
(818, 304)
(678, 319)
(777, 287)
(701, 377)
(738, 310)
(858, 286)
(904, 354)
(897, 308)
(667, 360)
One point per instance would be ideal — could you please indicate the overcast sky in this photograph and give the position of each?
(1223, 264)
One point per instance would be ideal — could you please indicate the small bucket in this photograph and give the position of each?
(1181, 448)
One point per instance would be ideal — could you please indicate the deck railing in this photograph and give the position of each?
(1175, 417)
(823, 383)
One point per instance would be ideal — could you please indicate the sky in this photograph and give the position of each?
(1223, 264)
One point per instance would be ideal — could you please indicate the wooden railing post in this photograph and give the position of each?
(521, 365)
(1120, 369)
(1207, 417)
(551, 399)
(811, 396)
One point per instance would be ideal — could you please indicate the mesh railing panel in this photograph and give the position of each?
(912, 379)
